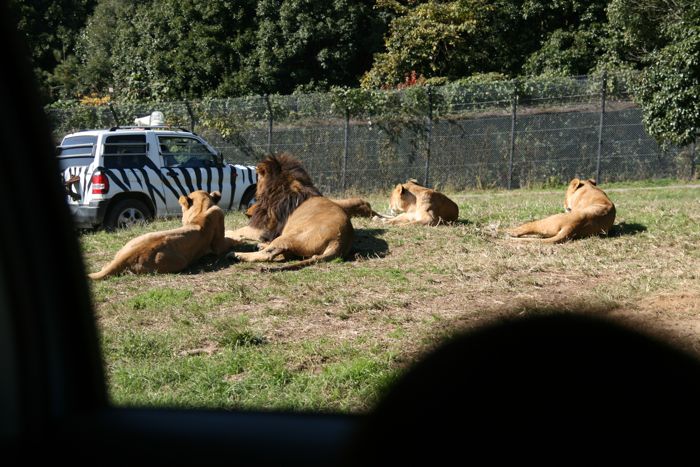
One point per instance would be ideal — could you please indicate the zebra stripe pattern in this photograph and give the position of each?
(174, 181)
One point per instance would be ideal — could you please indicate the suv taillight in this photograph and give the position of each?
(100, 183)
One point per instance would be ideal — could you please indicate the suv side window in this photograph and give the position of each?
(125, 151)
(181, 151)
(76, 151)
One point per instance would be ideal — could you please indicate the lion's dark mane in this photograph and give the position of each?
(286, 186)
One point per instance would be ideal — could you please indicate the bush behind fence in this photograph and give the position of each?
(461, 135)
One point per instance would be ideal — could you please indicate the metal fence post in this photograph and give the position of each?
(346, 148)
(428, 131)
(269, 123)
(191, 114)
(513, 117)
(601, 125)
(114, 113)
(692, 158)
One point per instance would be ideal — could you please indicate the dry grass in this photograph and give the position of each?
(334, 335)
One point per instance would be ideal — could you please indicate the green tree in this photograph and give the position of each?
(167, 49)
(458, 38)
(662, 38)
(171, 49)
(50, 28)
(313, 44)
(96, 44)
(567, 53)
(669, 89)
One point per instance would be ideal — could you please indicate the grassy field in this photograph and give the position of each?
(332, 337)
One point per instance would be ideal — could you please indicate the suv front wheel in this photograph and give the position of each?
(127, 213)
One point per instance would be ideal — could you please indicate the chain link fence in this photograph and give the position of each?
(497, 135)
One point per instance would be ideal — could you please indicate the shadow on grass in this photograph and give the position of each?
(367, 244)
(623, 228)
(518, 309)
(211, 263)
(459, 222)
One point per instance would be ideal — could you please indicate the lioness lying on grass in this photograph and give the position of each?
(202, 232)
(420, 205)
(589, 211)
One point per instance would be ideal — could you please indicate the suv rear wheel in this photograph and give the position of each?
(248, 198)
(127, 213)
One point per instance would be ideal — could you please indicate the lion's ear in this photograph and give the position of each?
(575, 184)
(296, 186)
(400, 188)
(185, 202)
(592, 181)
(215, 196)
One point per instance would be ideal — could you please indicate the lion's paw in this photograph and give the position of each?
(232, 256)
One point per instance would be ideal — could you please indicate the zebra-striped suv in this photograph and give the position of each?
(126, 175)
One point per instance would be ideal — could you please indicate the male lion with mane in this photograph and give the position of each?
(202, 232)
(420, 205)
(292, 219)
(589, 211)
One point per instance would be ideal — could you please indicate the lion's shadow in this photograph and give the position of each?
(460, 222)
(208, 263)
(367, 244)
(624, 228)
(212, 263)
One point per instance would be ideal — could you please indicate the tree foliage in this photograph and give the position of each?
(662, 38)
(175, 49)
(167, 49)
(313, 44)
(50, 28)
(458, 38)
(669, 90)
(180, 49)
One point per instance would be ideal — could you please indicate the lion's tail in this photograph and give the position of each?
(110, 269)
(561, 236)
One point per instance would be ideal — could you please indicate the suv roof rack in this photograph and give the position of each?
(152, 127)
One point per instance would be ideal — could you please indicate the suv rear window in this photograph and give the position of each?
(125, 151)
(76, 151)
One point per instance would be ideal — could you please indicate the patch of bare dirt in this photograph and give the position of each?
(674, 317)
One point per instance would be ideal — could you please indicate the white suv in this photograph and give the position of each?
(125, 175)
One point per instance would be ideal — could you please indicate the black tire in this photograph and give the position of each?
(248, 198)
(127, 213)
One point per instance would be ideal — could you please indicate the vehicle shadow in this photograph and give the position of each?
(367, 244)
(624, 228)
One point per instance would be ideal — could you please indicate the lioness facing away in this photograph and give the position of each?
(589, 211)
(420, 205)
(292, 219)
(202, 232)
